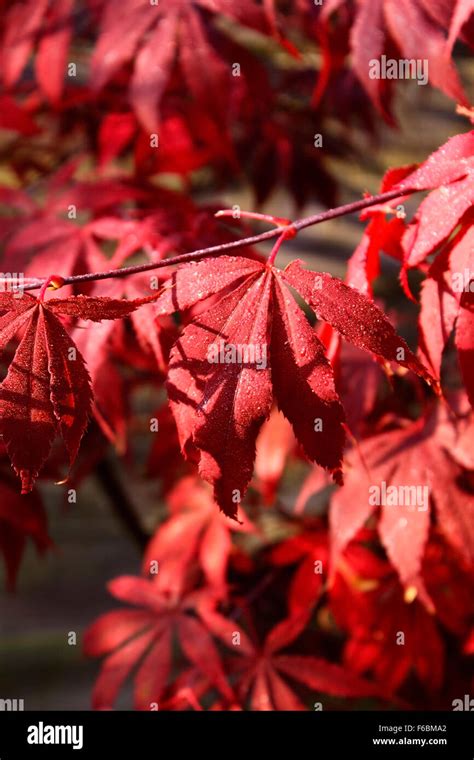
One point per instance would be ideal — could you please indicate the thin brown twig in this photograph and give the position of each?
(299, 224)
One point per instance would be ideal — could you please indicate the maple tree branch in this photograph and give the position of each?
(351, 208)
(293, 227)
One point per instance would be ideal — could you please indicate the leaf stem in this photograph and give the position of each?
(54, 282)
(278, 221)
(276, 248)
(290, 231)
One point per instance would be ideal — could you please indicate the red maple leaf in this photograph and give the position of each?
(447, 292)
(411, 30)
(405, 473)
(155, 36)
(46, 25)
(368, 603)
(42, 240)
(142, 640)
(188, 139)
(261, 670)
(47, 388)
(220, 404)
(450, 171)
(195, 531)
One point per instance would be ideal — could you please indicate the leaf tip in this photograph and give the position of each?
(27, 482)
(338, 476)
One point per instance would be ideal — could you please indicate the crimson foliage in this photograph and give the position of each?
(317, 472)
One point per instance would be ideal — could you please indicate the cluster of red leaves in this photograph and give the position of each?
(410, 29)
(257, 591)
(219, 410)
(47, 389)
(143, 74)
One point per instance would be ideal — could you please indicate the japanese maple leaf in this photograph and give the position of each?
(261, 670)
(47, 25)
(45, 241)
(407, 29)
(189, 140)
(191, 686)
(47, 388)
(21, 518)
(337, 84)
(220, 405)
(447, 304)
(449, 173)
(368, 603)
(415, 459)
(155, 36)
(194, 531)
(51, 244)
(141, 640)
